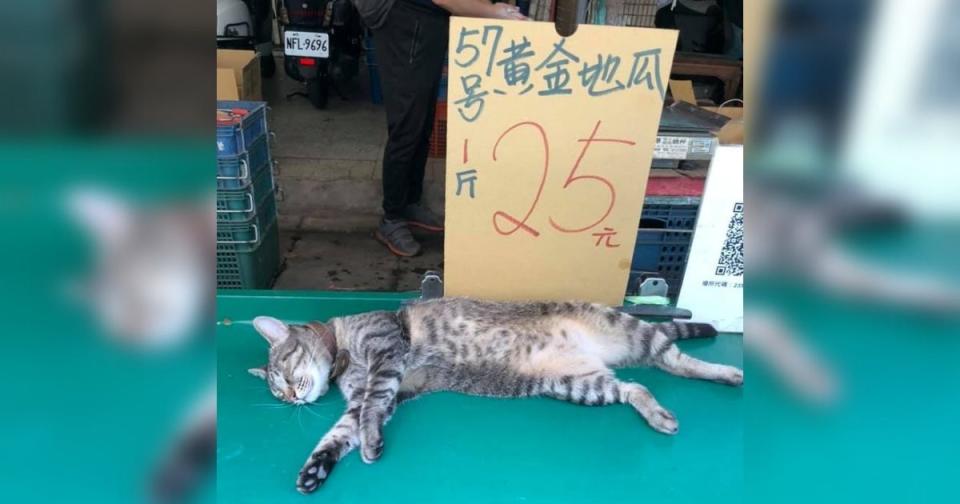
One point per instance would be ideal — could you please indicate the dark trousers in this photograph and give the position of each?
(410, 48)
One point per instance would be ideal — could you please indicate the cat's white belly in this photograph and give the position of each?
(572, 349)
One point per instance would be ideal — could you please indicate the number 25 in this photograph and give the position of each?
(572, 178)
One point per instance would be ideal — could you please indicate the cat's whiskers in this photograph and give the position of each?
(299, 419)
(270, 405)
(314, 413)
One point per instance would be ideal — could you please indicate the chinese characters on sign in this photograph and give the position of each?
(483, 51)
(544, 198)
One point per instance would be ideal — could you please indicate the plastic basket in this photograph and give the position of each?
(663, 243)
(239, 171)
(438, 137)
(236, 224)
(246, 234)
(253, 267)
(242, 205)
(239, 125)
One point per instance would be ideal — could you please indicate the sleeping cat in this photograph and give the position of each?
(379, 359)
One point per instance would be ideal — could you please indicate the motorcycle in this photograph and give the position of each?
(321, 45)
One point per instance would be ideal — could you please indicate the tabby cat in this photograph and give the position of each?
(379, 359)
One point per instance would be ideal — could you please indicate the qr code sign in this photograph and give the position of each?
(731, 256)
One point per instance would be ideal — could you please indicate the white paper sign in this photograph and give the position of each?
(713, 283)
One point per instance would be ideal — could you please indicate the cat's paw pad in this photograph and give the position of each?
(315, 471)
(663, 421)
(372, 449)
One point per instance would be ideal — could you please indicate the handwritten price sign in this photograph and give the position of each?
(549, 144)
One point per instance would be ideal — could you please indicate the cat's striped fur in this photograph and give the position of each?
(554, 349)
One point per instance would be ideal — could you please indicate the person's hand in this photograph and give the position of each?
(507, 11)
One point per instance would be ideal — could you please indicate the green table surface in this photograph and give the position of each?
(448, 447)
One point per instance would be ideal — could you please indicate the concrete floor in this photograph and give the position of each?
(345, 261)
(329, 161)
(329, 175)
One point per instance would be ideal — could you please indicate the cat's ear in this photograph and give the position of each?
(106, 215)
(340, 364)
(272, 330)
(259, 372)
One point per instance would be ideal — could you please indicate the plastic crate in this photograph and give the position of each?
(239, 125)
(247, 234)
(239, 171)
(438, 137)
(663, 242)
(250, 267)
(242, 205)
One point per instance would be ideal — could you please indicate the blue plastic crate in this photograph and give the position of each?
(248, 265)
(241, 205)
(246, 236)
(663, 243)
(239, 171)
(239, 125)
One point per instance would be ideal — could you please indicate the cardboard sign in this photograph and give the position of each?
(549, 144)
(713, 282)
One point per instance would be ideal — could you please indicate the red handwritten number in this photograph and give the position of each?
(573, 177)
(522, 223)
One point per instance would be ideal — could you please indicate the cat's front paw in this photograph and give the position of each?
(315, 471)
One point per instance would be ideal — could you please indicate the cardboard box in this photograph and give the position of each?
(682, 90)
(238, 75)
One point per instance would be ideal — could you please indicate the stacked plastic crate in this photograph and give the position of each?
(663, 241)
(248, 243)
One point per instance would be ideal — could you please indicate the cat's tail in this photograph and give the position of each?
(686, 330)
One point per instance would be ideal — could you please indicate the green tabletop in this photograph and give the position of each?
(447, 447)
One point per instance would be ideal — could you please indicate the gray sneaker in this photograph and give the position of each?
(396, 236)
(419, 216)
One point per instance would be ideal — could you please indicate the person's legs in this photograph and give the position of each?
(415, 181)
(415, 213)
(410, 49)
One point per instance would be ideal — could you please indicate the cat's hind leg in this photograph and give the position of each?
(675, 362)
(600, 387)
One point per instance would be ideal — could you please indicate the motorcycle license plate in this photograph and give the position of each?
(309, 44)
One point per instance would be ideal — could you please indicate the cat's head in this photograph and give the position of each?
(303, 359)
